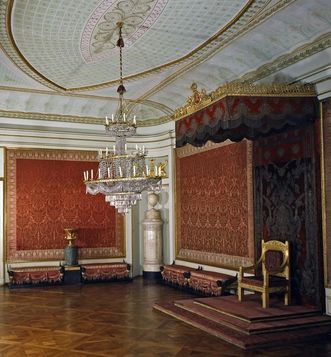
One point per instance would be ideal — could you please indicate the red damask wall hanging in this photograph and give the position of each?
(45, 194)
(214, 204)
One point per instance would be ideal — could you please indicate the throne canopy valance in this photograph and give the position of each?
(241, 111)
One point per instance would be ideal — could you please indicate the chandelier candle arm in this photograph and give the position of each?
(123, 175)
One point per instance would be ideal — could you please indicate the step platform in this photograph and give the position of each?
(246, 324)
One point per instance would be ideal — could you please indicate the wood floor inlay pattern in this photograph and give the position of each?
(114, 319)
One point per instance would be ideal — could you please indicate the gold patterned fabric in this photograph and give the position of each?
(111, 271)
(208, 282)
(176, 274)
(213, 206)
(35, 275)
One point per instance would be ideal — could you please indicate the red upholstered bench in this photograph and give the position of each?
(210, 283)
(176, 274)
(19, 277)
(105, 271)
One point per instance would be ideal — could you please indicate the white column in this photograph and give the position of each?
(171, 254)
(128, 237)
(152, 226)
(2, 215)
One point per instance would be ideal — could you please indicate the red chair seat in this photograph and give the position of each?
(274, 281)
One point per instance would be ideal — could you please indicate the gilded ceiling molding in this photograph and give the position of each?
(262, 16)
(74, 119)
(287, 60)
(28, 90)
(251, 8)
(200, 99)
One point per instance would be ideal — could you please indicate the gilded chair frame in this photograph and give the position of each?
(282, 271)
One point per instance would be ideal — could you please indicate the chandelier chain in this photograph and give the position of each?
(121, 88)
(120, 42)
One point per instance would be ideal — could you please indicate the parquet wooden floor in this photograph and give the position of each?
(114, 319)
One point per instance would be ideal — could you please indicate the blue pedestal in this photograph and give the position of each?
(71, 255)
(72, 275)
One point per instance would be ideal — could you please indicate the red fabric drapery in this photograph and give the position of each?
(238, 117)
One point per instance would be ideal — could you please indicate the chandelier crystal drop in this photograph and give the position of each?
(123, 175)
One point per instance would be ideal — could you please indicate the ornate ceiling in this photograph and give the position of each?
(58, 59)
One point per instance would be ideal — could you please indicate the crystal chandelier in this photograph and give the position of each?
(123, 175)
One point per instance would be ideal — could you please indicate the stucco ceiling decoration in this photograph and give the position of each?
(259, 39)
(100, 33)
(48, 35)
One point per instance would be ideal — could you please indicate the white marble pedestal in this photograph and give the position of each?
(152, 226)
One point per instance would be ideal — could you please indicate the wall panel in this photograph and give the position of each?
(45, 194)
(214, 204)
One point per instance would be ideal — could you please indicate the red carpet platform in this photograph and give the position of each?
(246, 324)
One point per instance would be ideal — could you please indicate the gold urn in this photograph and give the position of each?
(70, 236)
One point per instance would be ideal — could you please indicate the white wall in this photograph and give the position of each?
(2, 216)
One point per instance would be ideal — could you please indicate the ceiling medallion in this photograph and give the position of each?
(99, 35)
(123, 175)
